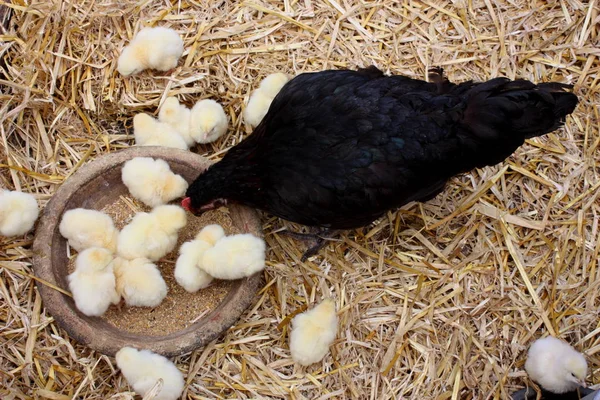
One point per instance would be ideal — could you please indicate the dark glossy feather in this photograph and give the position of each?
(337, 149)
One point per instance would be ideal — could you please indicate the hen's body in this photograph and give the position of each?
(337, 149)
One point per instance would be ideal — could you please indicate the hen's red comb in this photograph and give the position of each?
(187, 204)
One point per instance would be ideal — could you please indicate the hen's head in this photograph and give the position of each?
(236, 178)
(187, 204)
(205, 193)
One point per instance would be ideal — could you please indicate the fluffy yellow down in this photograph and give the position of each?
(313, 331)
(150, 132)
(234, 257)
(18, 212)
(555, 365)
(152, 181)
(208, 121)
(188, 273)
(273, 83)
(139, 282)
(211, 234)
(261, 98)
(93, 281)
(151, 235)
(156, 48)
(143, 368)
(85, 228)
(178, 116)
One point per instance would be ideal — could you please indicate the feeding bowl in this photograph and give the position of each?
(94, 186)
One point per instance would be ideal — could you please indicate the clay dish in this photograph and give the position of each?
(96, 185)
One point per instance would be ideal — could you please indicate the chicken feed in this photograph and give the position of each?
(179, 309)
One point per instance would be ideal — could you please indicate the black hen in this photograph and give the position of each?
(339, 148)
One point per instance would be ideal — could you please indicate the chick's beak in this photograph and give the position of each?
(582, 383)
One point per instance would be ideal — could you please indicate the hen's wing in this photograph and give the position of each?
(354, 144)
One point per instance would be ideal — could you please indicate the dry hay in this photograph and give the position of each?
(438, 300)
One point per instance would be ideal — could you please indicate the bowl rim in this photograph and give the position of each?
(216, 322)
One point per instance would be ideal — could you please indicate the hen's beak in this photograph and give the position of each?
(186, 204)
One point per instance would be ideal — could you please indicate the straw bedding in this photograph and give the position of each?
(438, 300)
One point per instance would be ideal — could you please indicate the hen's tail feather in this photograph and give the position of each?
(517, 110)
(565, 102)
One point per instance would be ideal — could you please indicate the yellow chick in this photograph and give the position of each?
(18, 212)
(273, 83)
(171, 218)
(93, 282)
(313, 331)
(152, 181)
(555, 365)
(178, 116)
(139, 282)
(142, 370)
(234, 257)
(211, 234)
(261, 98)
(151, 235)
(85, 228)
(150, 132)
(208, 121)
(157, 48)
(187, 273)
(257, 108)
